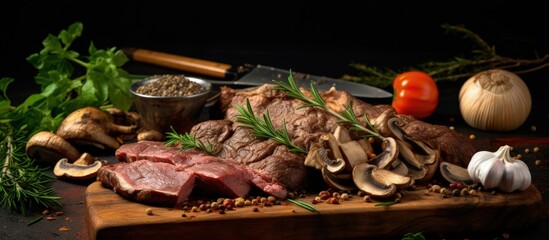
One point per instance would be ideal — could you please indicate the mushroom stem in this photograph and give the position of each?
(85, 159)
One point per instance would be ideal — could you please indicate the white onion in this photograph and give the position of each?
(495, 100)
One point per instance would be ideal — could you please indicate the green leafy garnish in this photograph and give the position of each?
(35, 220)
(384, 204)
(188, 141)
(303, 205)
(22, 182)
(101, 83)
(264, 128)
(348, 116)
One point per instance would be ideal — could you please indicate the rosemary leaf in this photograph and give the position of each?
(188, 141)
(385, 203)
(303, 205)
(33, 221)
(264, 128)
(347, 116)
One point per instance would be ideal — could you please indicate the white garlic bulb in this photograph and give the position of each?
(495, 100)
(499, 170)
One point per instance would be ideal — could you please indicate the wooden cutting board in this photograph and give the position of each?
(110, 216)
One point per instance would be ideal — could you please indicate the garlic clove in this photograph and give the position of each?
(490, 172)
(474, 165)
(513, 179)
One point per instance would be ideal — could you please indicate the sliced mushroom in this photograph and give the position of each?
(420, 158)
(455, 174)
(380, 122)
(353, 154)
(85, 168)
(342, 135)
(319, 157)
(378, 182)
(423, 152)
(366, 145)
(49, 148)
(399, 167)
(389, 154)
(91, 126)
(341, 182)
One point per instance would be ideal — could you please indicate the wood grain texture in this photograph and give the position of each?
(109, 216)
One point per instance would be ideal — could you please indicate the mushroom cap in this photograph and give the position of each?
(389, 155)
(65, 170)
(378, 182)
(343, 183)
(455, 174)
(49, 148)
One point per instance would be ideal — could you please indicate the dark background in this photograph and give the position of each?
(306, 36)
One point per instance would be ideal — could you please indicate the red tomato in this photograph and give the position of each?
(416, 94)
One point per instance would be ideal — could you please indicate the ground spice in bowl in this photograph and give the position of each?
(170, 86)
(166, 102)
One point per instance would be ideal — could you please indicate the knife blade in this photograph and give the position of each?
(250, 75)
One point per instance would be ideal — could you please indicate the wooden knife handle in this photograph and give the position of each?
(199, 66)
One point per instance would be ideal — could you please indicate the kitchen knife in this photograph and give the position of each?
(250, 75)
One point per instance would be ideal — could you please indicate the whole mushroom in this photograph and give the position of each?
(91, 126)
(49, 148)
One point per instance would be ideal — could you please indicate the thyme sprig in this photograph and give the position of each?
(188, 141)
(348, 116)
(483, 57)
(263, 128)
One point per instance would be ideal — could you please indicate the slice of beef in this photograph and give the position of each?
(148, 182)
(214, 174)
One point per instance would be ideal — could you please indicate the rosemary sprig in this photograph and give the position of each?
(483, 57)
(303, 205)
(264, 128)
(187, 141)
(35, 220)
(22, 183)
(347, 116)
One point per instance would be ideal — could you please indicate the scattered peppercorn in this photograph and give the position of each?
(149, 211)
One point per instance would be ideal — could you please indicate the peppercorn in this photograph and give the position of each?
(170, 86)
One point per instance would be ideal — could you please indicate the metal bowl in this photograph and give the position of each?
(161, 113)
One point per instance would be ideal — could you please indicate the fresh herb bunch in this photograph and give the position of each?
(188, 141)
(264, 128)
(483, 57)
(22, 183)
(347, 117)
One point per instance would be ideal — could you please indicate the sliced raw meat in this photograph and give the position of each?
(148, 182)
(215, 174)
